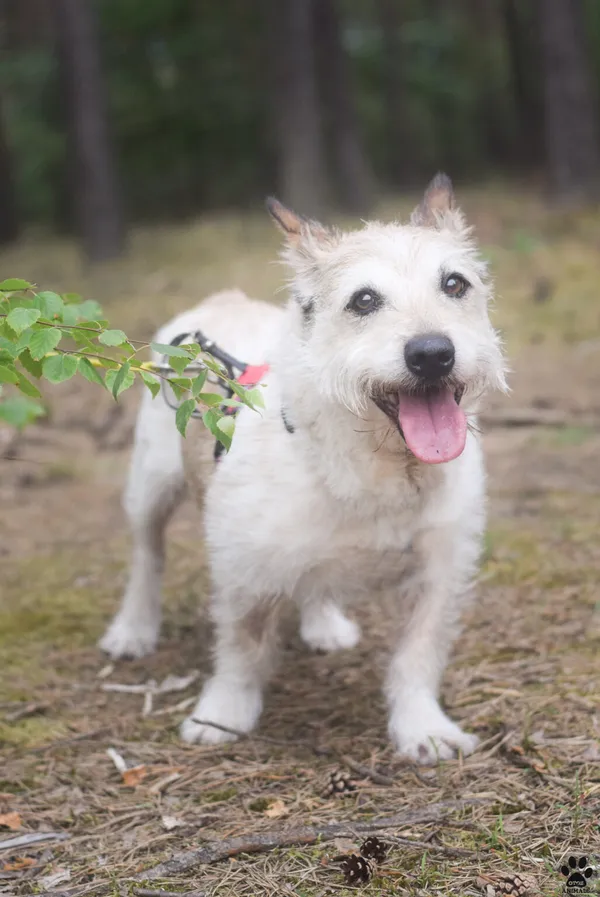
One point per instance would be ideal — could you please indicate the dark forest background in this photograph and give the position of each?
(116, 111)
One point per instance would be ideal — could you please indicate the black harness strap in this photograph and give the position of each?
(231, 364)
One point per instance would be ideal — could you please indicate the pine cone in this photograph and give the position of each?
(374, 849)
(339, 783)
(357, 870)
(511, 885)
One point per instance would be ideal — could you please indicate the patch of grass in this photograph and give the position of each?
(32, 731)
(217, 797)
(260, 805)
(567, 436)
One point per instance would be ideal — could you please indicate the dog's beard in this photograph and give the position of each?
(429, 419)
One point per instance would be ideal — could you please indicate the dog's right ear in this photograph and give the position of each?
(295, 227)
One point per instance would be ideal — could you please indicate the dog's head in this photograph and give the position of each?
(396, 316)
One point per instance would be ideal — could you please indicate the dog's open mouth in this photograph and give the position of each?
(431, 422)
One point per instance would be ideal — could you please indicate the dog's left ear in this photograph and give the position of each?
(296, 228)
(438, 206)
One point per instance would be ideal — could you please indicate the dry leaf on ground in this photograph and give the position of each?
(17, 863)
(135, 775)
(275, 809)
(10, 820)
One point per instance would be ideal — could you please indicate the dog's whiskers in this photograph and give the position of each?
(383, 441)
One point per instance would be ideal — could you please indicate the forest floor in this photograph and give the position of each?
(524, 675)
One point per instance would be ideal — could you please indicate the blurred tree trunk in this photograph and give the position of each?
(571, 120)
(401, 160)
(9, 220)
(28, 23)
(352, 172)
(483, 24)
(297, 124)
(93, 185)
(523, 52)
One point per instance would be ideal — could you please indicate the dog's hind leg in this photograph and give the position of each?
(154, 489)
(245, 653)
(323, 627)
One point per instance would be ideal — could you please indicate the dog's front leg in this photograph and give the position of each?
(244, 658)
(418, 726)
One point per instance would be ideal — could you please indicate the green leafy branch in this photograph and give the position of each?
(52, 337)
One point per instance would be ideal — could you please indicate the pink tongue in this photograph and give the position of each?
(434, 427)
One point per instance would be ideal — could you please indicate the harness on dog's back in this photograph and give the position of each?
(248, 375)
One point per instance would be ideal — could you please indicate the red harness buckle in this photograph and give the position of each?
(253, 374)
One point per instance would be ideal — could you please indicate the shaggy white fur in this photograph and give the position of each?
(340, 507)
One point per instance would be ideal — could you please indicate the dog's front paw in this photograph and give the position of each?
(426, 735)
(126, 639)
(325, 628)
(233, 710)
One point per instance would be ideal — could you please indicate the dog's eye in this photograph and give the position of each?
(364, 302)
(455, 286)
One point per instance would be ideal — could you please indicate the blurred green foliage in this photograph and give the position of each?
(189, 93)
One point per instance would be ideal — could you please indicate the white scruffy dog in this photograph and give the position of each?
(364, 472)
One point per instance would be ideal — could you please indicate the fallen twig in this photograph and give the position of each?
(533, 417)
(252, 735)
(24, 711)
(65, 742)
(434, 848)
(308, 834)
(366, 772)
(149, 892)
(32, 838)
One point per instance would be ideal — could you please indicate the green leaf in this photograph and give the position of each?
(82, 338)
(151, 382)
(14, 283)
(32, 367)
(81, 312)
(183, 414)
(24, 340)
(112, 338)
(44, 341)
(58, 368)
(171, 351)
(180, 386)
(210, 398)
(90, 310)
(198, 383)
(8, 346)
(20, 319)
(254, 398)
(70, 315)
(226, 427)
(179, 364)
(87, 370)
(8, 374)
(27, 387)
(50, 304)
(215, 366)
(120, 381)
(210, 419)
(19, 411)
(193, 348)
(124, 381)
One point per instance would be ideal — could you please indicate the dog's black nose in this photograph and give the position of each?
(430, 356)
